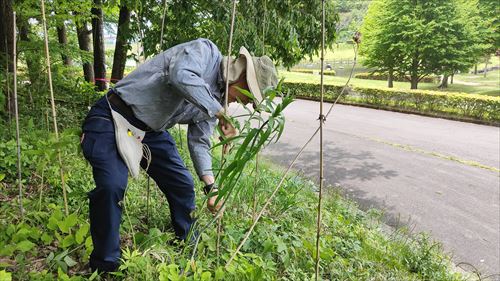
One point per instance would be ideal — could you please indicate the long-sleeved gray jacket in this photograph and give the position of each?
(180, 85)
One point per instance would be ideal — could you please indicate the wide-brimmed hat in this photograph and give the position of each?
(260, 72)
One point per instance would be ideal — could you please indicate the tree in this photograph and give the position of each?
(98, 41)
(122, 43)
(286, 30)
(7, 50)
(377, 44)
(420, 38)
(63, 40)
(462, 41)
(489, 30)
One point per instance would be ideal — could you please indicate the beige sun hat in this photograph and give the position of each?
(260, 72)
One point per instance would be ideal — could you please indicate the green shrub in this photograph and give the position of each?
(385, 76)
(461, 105)
(313, 71)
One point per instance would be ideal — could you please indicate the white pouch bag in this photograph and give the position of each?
(129, 142)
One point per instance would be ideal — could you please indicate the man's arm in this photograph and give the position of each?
(199, 145)
(185, 74)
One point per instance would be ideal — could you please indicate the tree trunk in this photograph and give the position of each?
(452, 77)
(486, 65)
(98, 40)
(122, 45)
(475, 69)
(9, 48)
(444, 81)
(84, 44)
(3, 38)
(63, 40)
(414, 81)
(32, 65)
(390, 79)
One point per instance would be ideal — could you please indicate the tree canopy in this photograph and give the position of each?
(420, 38)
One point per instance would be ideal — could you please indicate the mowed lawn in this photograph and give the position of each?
(466, 83)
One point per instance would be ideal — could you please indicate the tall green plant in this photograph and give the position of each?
(251, 140)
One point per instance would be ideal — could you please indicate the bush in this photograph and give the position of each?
(313, 71)
(460, 105)
(385, 76)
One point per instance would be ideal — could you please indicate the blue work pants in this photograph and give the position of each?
(110, 175)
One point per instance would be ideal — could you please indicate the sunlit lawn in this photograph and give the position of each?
(466, 83)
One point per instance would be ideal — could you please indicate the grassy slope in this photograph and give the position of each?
(45, 244)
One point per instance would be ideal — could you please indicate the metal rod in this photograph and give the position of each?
(53, 105)
(16, 113)
(321, 122)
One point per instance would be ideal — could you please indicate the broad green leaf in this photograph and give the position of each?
(69, 261)
(68, 223)
(5, 276)
(68, 241)
(81, 233)
(25, 246)
(46, 239)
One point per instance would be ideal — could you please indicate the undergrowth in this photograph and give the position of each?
(45, 244)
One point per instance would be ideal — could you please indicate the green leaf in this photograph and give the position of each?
(47, 239)
(68, 241)
(281, 245)
(69, 261)
(68, 223)
(5, 276)
(25, 246)
(81, 233)
(2, 176)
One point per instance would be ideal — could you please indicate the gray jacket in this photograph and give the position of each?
(180, 85)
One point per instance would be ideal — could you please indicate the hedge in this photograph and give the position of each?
(385, 77)
(313, 71)
(455, 105)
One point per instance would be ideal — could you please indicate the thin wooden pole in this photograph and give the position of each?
(321, 122)
(163, 24)
(53, 106)
(271, 197)
(226, 102)
(16, 113)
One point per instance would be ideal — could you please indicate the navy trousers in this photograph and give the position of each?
(110, 175)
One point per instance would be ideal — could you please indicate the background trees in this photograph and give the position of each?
(421, 38)
(285, 30)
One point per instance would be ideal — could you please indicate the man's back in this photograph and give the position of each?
(158, 88)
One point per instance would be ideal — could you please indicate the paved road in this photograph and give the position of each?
(422, 171)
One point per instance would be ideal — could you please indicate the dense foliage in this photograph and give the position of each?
(451, 105)
(46, 245)
(421, 38)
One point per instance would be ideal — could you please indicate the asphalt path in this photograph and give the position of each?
(431, 174)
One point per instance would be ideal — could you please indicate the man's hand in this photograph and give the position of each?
(211, 204)
(209, 179)
(227, 128)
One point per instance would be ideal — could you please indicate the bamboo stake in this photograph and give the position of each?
(163, 24)
(321, 122)
(226, 102)
(53, 106)
(16, 113)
